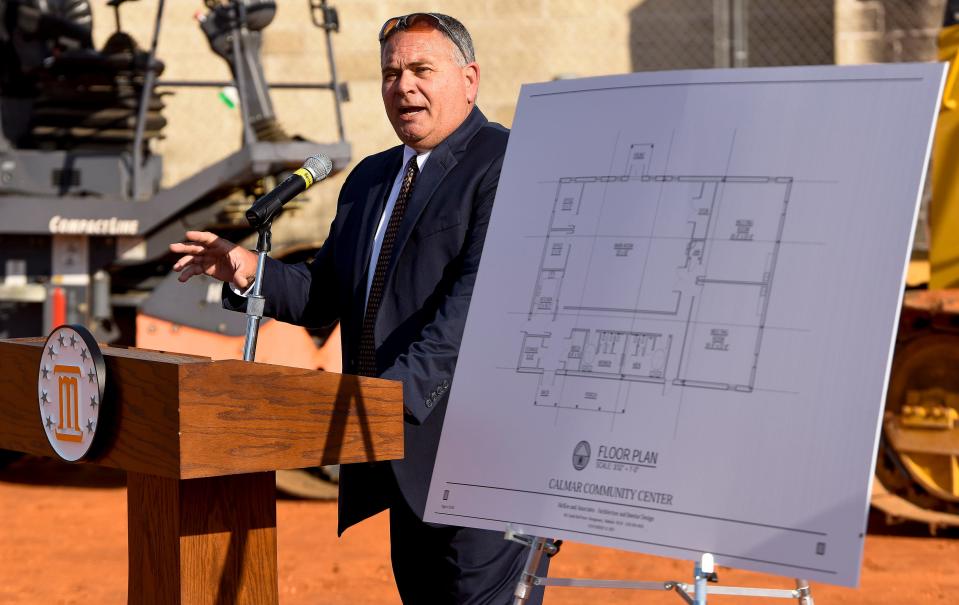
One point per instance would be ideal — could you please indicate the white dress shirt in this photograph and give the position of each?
(421, 158)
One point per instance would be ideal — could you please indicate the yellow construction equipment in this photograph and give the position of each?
(918, 464)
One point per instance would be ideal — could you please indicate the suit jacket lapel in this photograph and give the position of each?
(366, 221)
(441, 161)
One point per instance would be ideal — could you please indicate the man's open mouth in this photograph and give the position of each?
(406, 111)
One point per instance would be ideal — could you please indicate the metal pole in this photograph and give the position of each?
(700, 583)
(255, 301)
(721, 33)
(740, 31)
(524, 587)
(333, 79)
(805, 593)
(222, 83)
(239, 26)
(148, 83)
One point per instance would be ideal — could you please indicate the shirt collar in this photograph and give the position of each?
(421, 158)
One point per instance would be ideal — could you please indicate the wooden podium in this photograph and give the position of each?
(200, 441)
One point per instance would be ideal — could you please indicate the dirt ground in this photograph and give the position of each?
(47, 558)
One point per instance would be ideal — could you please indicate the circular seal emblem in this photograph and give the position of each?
(70, 390)
(581, 455)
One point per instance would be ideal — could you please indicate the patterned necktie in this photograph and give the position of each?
(367, 360)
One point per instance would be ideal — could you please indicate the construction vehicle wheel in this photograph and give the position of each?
(919, 450)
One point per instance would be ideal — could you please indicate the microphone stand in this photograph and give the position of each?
(260, 216)
(255, 300)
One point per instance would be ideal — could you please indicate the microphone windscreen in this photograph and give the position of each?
(319, 165)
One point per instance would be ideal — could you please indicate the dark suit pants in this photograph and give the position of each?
(444, 565)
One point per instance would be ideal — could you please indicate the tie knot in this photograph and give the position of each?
(412, 168)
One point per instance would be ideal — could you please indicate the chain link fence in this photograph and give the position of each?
(683, 34)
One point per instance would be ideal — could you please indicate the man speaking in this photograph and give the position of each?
(397, 271)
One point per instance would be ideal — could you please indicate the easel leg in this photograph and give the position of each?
(700, 587)
(805, 594)
(525, 585)
(202, 541)
(702, 570)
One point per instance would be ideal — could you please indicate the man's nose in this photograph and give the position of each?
(406, 82)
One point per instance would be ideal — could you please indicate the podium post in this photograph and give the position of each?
(200, 441)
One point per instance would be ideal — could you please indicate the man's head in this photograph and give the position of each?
(430, 77)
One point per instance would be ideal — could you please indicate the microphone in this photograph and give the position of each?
(314, 169)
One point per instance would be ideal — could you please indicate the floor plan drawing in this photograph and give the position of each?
(680, 333)
(656, 278)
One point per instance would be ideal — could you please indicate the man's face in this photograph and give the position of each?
(426, 92)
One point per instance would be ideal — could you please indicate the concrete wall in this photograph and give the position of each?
(517, 41)
(880, 31)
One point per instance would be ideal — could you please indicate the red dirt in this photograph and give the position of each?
(46, 557)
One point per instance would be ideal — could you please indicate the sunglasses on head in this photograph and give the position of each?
(418, 22)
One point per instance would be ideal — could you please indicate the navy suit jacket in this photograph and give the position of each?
(426, 295)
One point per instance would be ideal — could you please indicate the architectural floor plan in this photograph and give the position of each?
(682, 324)
(677, 294)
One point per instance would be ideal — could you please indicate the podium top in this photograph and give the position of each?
(186, 416)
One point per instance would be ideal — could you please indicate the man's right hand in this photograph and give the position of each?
(205, 253)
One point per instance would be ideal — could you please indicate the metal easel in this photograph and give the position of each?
(694, 593)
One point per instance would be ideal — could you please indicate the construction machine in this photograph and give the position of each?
(917, 468)
(85, 221)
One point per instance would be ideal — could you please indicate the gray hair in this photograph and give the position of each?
(459, 36)
(455, 32)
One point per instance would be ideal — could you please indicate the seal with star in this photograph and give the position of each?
(70, 387)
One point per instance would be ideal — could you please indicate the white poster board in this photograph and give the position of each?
(682, 324)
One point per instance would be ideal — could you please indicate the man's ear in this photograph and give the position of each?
(471, 75)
